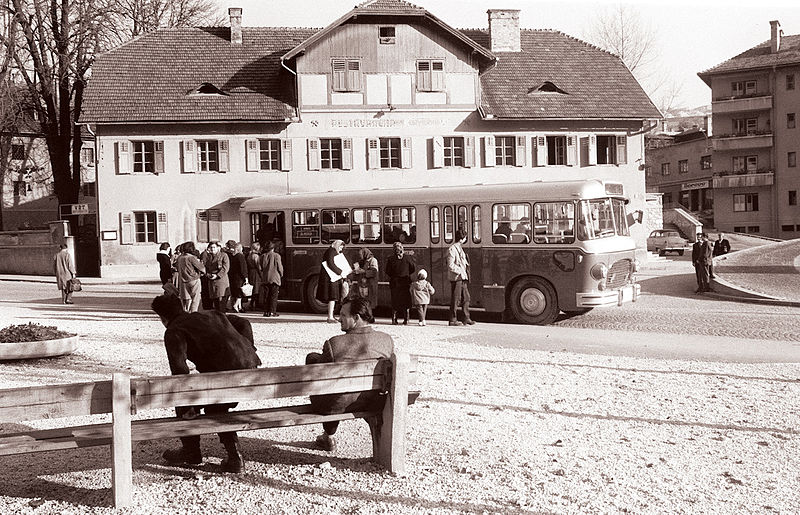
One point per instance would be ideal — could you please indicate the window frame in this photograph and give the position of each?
(435, 228)
(355, 227)
(308, 214)
(411, 222)
(145, 236)
(389, 37)
(683, 166)
(18, 152)
(792, 200)
(347, 79)
(745, 202)
(273, 162)
(330, 151)
(789, 81)
(706, 162)
(791, 120)
(791, 159)
(453, 155)
(505, 150)
(557, 150)
(511, 213)
(207, 155)
(143, 156)
(330, 236)
(430, 75)
(665, 169)
(393, 159)
(208, 219)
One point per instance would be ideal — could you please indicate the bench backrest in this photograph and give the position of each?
(80, 399)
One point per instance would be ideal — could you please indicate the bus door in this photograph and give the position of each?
(270, 226)
(452, 217)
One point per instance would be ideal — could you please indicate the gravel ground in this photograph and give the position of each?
(494, 431)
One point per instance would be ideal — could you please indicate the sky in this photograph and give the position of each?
(692, 36)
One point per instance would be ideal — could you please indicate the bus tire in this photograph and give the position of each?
(534, 301)
(310, 297)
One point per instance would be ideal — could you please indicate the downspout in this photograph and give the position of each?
(297, 90)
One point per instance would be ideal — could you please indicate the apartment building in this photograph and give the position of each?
(191, 122)
(755, 104)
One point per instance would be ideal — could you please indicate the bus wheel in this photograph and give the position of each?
(533, 301)
(310, 297)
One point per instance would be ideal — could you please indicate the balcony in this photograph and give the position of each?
(743, 179)
(742, 140)
(740, 104)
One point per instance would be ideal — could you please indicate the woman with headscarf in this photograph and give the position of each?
(399, 269)
(329, 290)
(367, 277)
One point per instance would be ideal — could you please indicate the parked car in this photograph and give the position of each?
(664, 240)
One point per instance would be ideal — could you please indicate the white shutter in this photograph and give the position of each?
(469, 151)
(126, 228)
(405, 153)
(572, 146)
(314, 162)
(438, 152)
(622, 150)
(592, 150)
(286, 154)
(158, 151)
(353, 75)
(489, 156)
(253, 155)
(189, 156)
(541, 150)
(519, 148)
(223, 159)
(123, 157)
(373, 153)
(437, 76)
(339, 74)
(162, 230)
(423, 75)
(214, 225)
(347, 154)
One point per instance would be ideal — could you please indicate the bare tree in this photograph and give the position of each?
(621, 30)
(48, 46)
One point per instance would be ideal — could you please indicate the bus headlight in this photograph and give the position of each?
(599, 271)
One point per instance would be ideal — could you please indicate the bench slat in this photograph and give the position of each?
(55, 401)
(154, 429)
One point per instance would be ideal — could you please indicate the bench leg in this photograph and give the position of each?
(389, 447)
(122, 467)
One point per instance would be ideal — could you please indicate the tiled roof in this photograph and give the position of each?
(759, 56)
(148, 79)
(597, 84)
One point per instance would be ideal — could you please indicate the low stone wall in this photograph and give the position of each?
(31, 252)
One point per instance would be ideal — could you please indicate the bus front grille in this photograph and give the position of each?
(619, 274)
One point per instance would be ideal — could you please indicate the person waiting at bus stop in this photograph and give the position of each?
(458, 273)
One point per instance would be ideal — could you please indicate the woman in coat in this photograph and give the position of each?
(64, 271)
(217, 265)
(254, 273)
(399, 269)
(367, 274)
(237, 276)
(327, 290)
(272, 272)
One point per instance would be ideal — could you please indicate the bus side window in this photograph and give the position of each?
(335, 225)
(400, 224)
(448, 224)
(476, 224)
(435, 224)
(463, 222)
(305, 226)
(366, 225)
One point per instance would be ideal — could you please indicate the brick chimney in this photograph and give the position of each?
(504, 30)
(236, 25)
(775, 36)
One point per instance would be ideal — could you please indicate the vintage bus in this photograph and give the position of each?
(534, 248)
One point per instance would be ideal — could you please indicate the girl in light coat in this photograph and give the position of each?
(421, 291)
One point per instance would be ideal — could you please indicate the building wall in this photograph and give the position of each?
(677, 185)
(786, 140)
(179, 195)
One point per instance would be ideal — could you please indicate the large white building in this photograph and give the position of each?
(191, 122)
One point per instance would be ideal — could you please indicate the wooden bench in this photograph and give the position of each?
(123, 397)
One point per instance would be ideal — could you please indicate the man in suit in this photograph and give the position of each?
(702, 259)
(458, 274)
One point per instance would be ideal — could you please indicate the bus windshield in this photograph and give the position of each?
(602, 218)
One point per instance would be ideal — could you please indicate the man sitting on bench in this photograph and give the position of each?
(213, 342)
(359, 342)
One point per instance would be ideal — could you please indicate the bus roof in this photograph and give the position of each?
(530, 191)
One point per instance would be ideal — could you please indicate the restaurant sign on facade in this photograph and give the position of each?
(696, 185)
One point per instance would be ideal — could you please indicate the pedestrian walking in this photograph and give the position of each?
(164, 258)
(421, 291)
(64, 270)
(254, 274)
(237, 277)
(331, 277)
(702, 255)
(366, 274)
(458, 273)
(272, 274)
(399, 269)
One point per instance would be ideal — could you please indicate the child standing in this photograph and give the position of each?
(421, 291)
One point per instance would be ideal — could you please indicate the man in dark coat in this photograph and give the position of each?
(214, 342)
(359, 342)
(702, 259)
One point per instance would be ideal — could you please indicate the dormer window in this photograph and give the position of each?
(386, 35)
(207, 88)
(547, 87)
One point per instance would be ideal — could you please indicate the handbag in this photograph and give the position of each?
(247, 289)
(74, 284)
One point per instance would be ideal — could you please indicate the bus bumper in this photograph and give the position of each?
(617, 297)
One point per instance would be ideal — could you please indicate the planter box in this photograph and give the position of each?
(40, 349)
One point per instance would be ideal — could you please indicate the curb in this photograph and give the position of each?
(733, 293)
(85, 280)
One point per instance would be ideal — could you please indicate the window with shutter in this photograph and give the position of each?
(437, 76)
(423, 75)
(286, 155)
(346, 75)
(339, 75)
(353, 75)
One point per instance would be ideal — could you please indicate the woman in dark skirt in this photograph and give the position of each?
(399, 269)
(164, 258)
(237, 275)
(327, 290)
